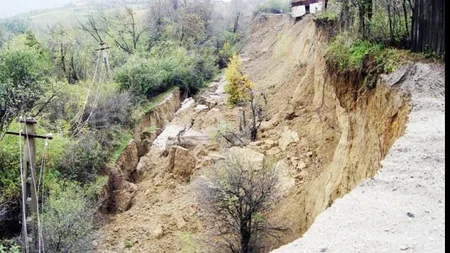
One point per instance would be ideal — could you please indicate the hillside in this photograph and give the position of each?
(324, 142)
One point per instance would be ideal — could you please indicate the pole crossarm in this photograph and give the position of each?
(31, 135)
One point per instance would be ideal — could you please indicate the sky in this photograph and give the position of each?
(10, 8)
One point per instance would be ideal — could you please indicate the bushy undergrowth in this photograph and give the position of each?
(68, 215)
(348, 54)
(327, 18)
(168, 64)
(275, 6)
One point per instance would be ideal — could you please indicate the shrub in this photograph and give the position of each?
(204, 67)
(113, 109)
(225, 53)
(356, 55)
(347, 53)
(275, 6)
(238, 85)
(168, 64)
(327, 19)
(9, 193)
(83, 159)
(9, 246)
(68, 217)
(238, 194)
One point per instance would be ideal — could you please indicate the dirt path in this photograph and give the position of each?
(401, 209)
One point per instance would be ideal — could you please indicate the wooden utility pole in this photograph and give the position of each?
(102, 48)
(29, 186)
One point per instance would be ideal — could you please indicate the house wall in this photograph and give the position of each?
(298, 11)
(316, 7)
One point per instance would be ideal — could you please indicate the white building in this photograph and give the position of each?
(302, 7)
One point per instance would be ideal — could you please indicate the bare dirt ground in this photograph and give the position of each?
(401, 209)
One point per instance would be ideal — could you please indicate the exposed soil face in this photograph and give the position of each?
(342, 140)
(324, 140)
(401, 208)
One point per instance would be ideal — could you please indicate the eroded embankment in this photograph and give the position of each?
(121, 188)
(345, 130)
(401, 208)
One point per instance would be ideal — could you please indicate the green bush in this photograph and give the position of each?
(238, 85)
(167, 65)
(68, 217)
(275, 6)
(327, 18)
(9, 246)
(83, 159)
(348, 54)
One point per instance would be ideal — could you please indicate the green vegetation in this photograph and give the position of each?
(128, 244)
(23, 66)
(68, 216)
(165, 66)
(50, 69)
(327, 18)
(238, 84)
(275, 6)
(354, 55)
(122, 144)
(189, 245)
(9, 247)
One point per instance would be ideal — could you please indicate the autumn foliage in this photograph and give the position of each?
(238, 86)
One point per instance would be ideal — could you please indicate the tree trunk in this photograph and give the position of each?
(391, 32)
(236, 22)
(253, 134)
(428, 27)
(245, 238)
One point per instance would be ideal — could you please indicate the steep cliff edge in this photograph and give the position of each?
(342, 139)
(401, 208)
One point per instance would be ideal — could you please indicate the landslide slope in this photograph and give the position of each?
(326, 134)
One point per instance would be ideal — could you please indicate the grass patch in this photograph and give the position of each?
(123, 142)
(366, 60)
(189, 245)
(128, 244)
(327, 16)
(348, 54)
(152, 103)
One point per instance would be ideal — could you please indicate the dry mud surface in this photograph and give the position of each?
(401, 209)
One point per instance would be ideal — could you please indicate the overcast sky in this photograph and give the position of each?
(9, 8)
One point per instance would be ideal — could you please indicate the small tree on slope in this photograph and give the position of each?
(238, 196)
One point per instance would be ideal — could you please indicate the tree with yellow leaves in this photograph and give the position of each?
(238, 86)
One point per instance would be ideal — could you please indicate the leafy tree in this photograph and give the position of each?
(22, 78)
(238, 85)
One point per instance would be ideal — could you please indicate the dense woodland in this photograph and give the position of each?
(90, 101)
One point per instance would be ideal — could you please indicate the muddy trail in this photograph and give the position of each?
(325, 136)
